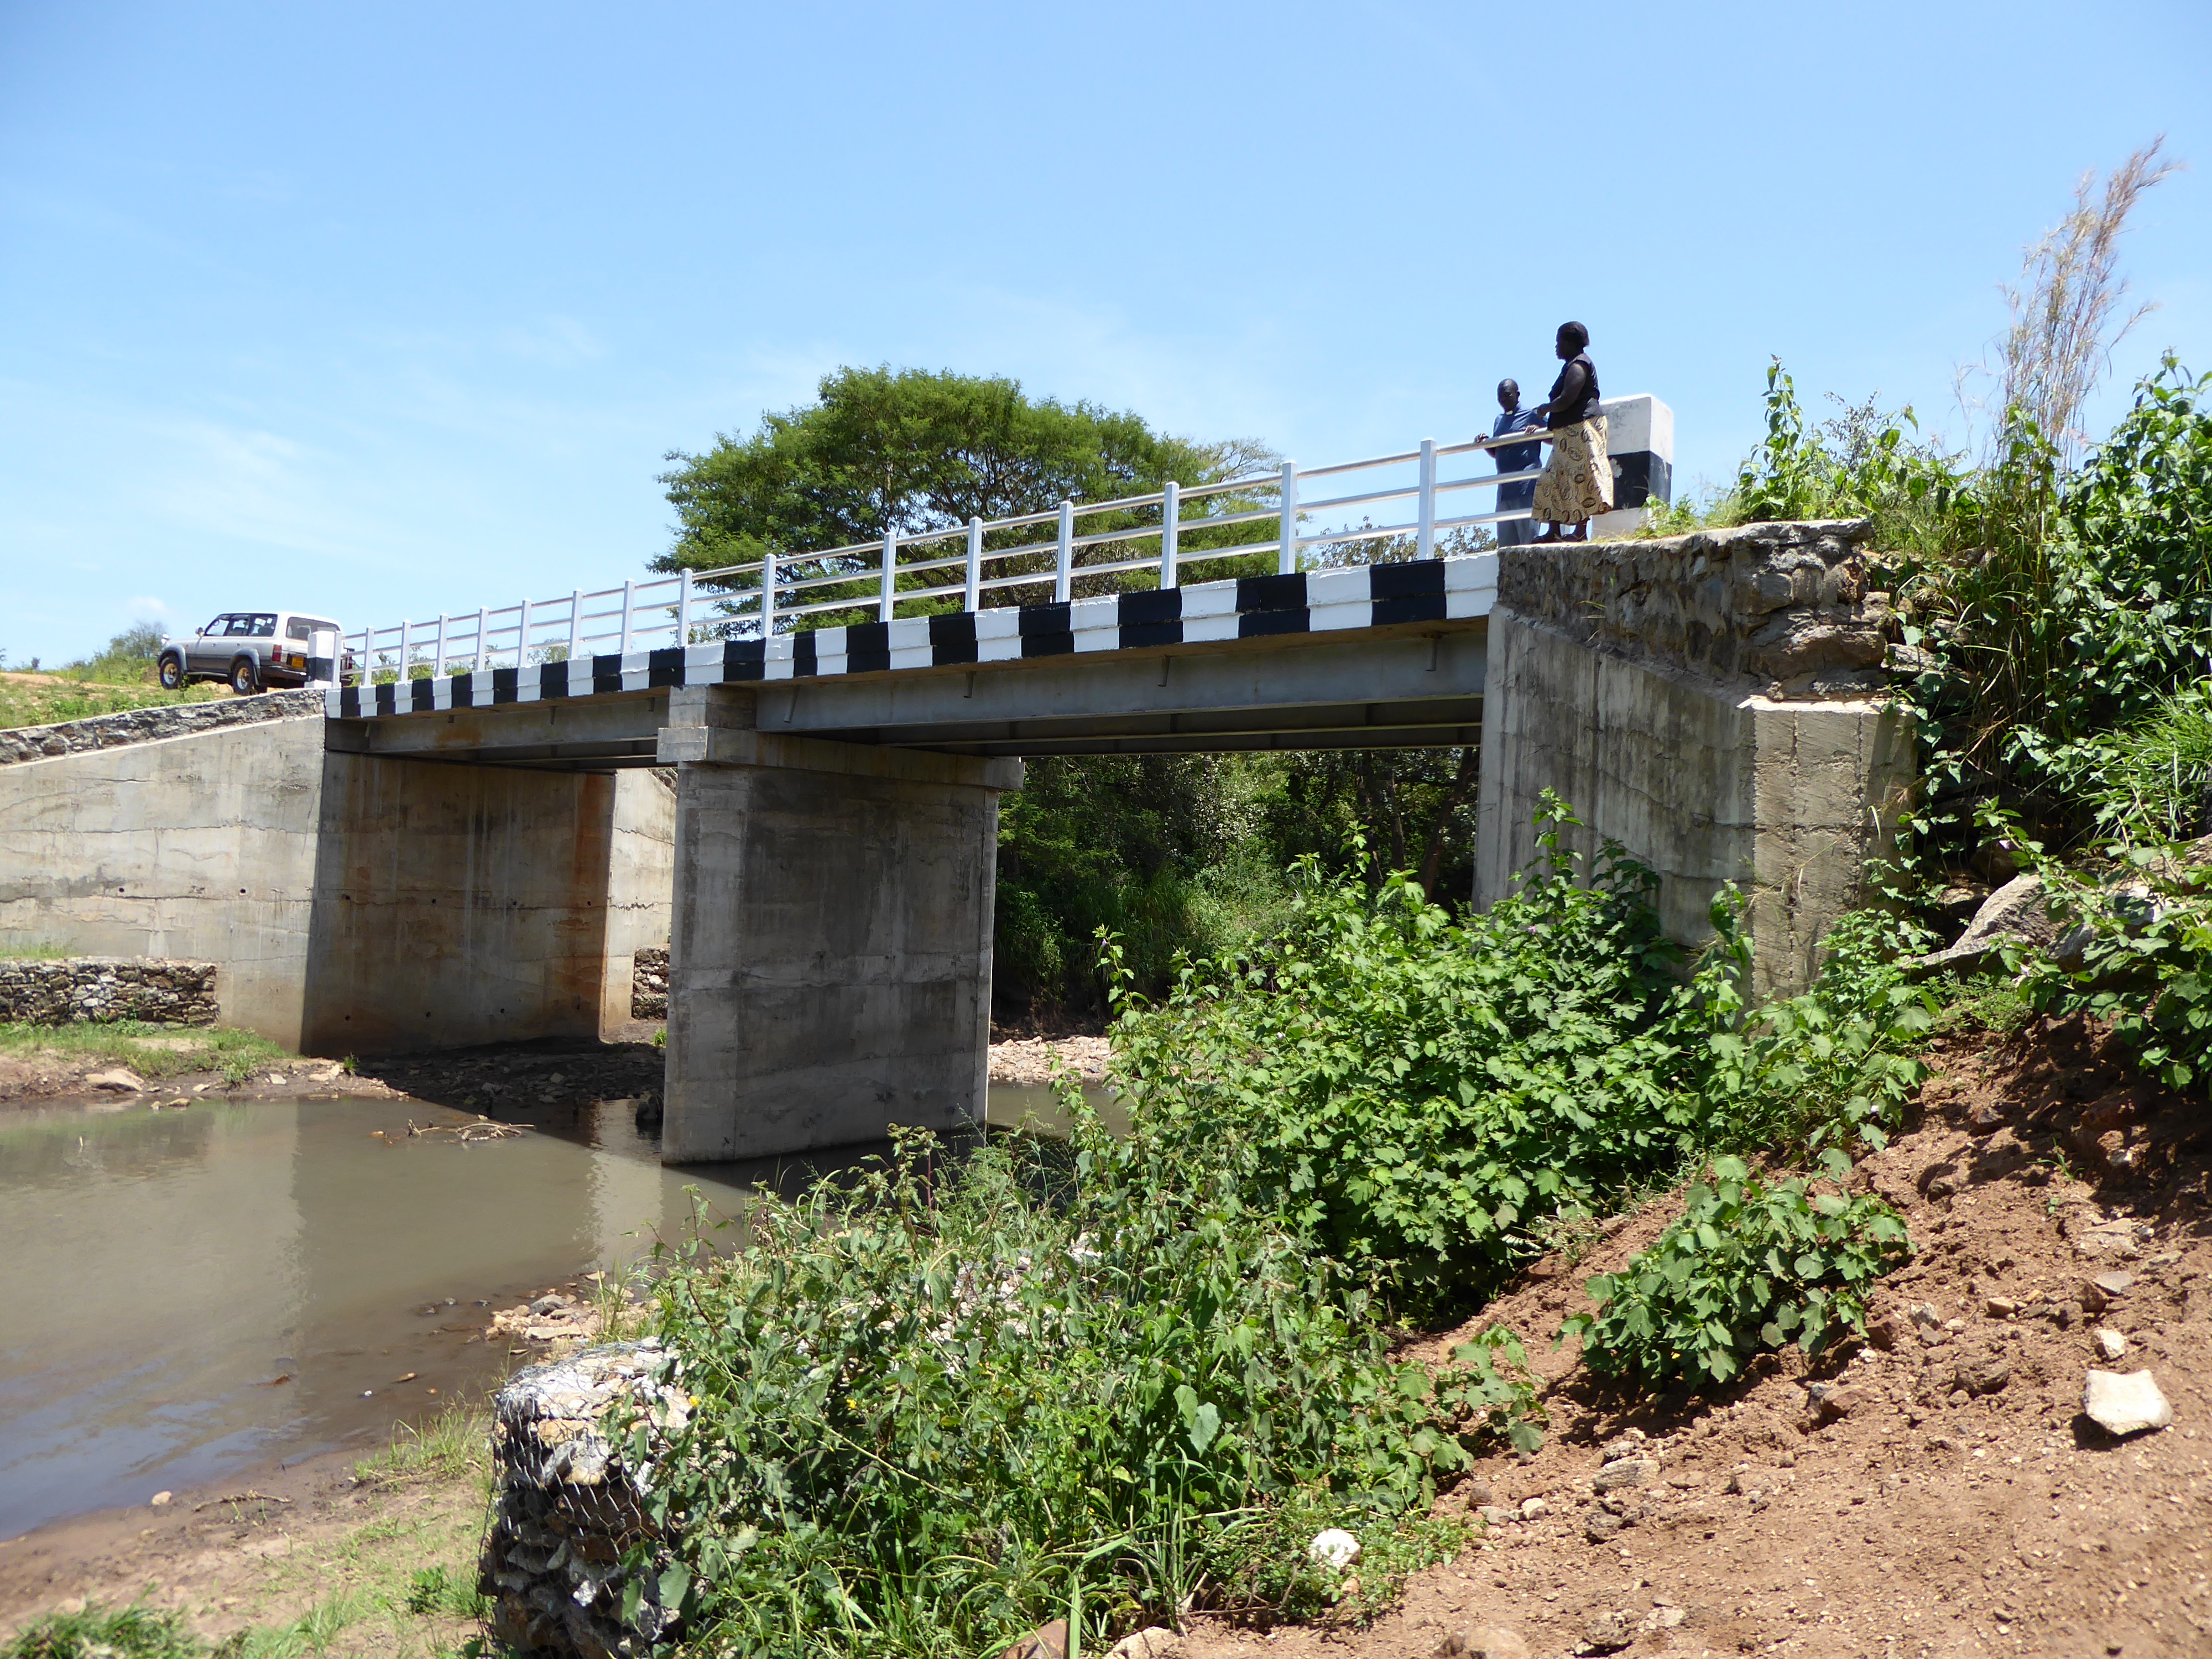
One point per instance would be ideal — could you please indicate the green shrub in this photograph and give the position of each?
(1831, 1066)
(2068, 612)
(2150, 782)
(1423, 1100)
(934, 1411)
(132, 1632)
(1749, 1267)
(2145, 967)
(1415, 1096)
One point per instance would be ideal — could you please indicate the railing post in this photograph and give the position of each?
(630, 605)
(1286, 556)
(403, 647)
(476, 662)
(1171, 531)
(522, 637)
(440, 666)
(1424, 537)
(768, 598)
(683, 609)
(975, 564)
(1063, 570)
(575, 622)
(883, 606)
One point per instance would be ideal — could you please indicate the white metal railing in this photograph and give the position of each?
(875, 578)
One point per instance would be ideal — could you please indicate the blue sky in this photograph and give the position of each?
(397, 308)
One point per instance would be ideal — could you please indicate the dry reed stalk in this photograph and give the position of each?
(2061, 336)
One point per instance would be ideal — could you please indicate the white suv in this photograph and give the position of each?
(253, 650)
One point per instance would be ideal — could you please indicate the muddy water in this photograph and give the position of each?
(198, 1291)
(194, 1291)
(1036, 1109)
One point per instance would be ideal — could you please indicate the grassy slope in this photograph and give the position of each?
(48, 698)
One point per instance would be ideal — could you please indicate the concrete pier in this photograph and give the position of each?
(829, 968)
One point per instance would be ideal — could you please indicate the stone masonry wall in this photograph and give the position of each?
(83, 990)
(174, 719)
(648, 984)
(1783, 606)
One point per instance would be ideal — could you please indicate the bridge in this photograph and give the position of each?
(478, 846)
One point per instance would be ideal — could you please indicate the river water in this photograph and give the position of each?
(203, 1290)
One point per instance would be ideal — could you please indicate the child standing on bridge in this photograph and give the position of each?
(1577, 482)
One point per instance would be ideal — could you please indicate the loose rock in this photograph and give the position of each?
(1984, 1374)
(1621, 1472)
(1601, 1526)
(2125, 1404)
(1606, 1631)
(1831, 1401)
(2106, 1288)
(1334, 1548)
(2110, 1345)
(1046, 1642)
(1153, 1641)
(1483, 1642)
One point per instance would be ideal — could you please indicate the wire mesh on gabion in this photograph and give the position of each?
(569, 1505)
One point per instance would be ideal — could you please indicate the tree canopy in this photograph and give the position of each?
(913, 451)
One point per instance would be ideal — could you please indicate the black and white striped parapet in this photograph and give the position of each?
(1253, 607)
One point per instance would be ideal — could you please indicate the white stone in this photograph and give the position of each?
(1153, 1641)
(2110, 1345)
(1334, 1548)
(2125, 1404)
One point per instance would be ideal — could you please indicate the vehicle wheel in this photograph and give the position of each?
(173, 673)
(243, 679)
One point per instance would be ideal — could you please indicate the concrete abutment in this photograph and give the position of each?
(352, 904)
(1715, 703)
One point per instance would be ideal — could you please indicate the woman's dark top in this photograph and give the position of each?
(1574, 394)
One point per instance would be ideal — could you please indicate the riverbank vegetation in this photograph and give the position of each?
(152, 1051)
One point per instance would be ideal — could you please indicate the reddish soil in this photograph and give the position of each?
(1929, 1520)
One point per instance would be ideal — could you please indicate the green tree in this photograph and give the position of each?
(913, 452)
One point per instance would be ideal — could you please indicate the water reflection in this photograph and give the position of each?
(198, 1290)
(167, 1268)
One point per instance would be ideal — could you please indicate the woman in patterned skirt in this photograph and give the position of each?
(1578, 481)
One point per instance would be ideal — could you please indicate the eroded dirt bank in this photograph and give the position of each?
(1950, 1498)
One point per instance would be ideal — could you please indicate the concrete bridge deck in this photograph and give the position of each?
(1380, 656)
